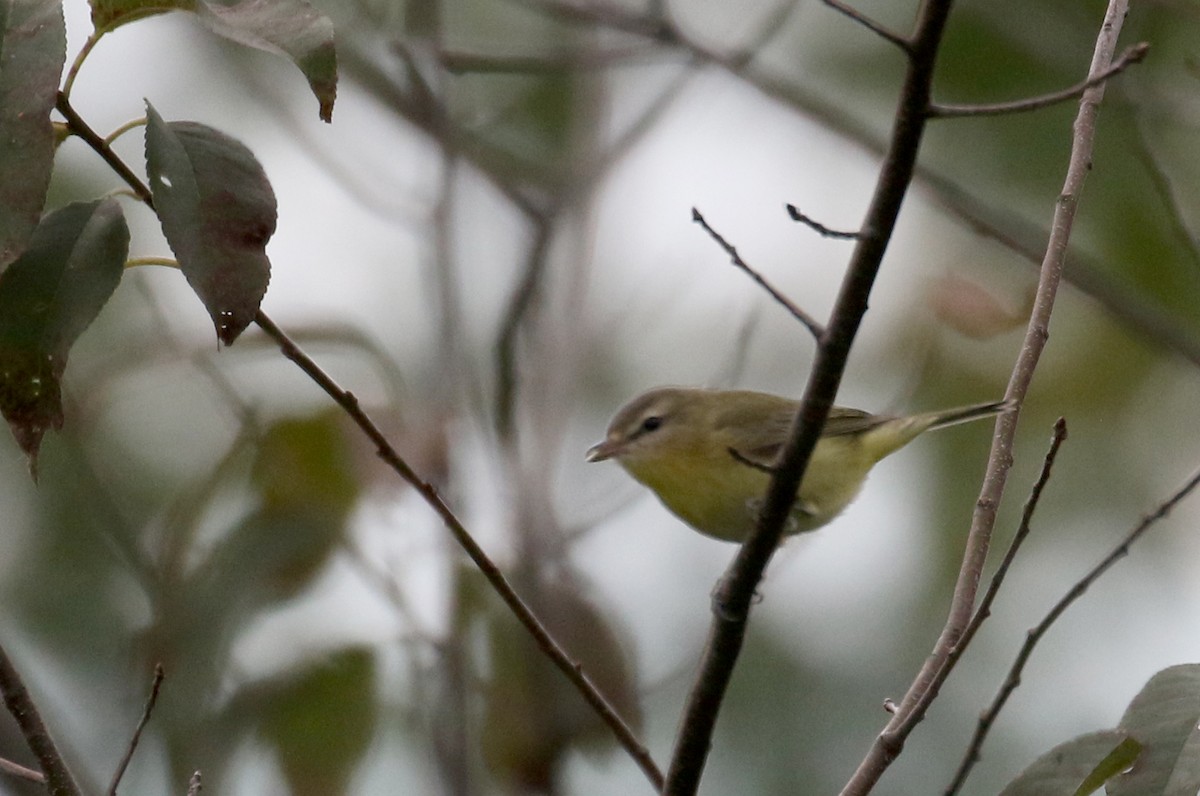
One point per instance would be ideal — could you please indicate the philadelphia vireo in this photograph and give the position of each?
(709, 454)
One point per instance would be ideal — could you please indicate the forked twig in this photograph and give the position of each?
(810, 323)
(988, 717)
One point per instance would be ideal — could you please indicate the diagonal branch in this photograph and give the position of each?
(870, 24)
(911, 710)
(549, 646)
(814, 326)
(734, 594)
(1035, 635)
(137, 732)
(1132, 55)
(59, 781)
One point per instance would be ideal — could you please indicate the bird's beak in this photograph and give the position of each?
(602, 451)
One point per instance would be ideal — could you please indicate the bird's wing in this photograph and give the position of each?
(760, 442)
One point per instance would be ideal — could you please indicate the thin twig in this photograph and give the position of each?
(573, 670)
(889, 743)
(985, 605)
(194, 786)
(988, 717)
(811, 323)
(59, 781)
(735, 593)
(137, 732)
(870, 24)
(81, 128)
(18, 770)
(1132, 55)
(821, 229)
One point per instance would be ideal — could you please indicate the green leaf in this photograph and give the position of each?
(33, 48)
(218, 212)
(1077, 767)
(291, 28)
(321, 721)
(48, 297)
(1164, 716)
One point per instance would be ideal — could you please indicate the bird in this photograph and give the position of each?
(709, 454)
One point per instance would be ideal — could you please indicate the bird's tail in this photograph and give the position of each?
(963, 414)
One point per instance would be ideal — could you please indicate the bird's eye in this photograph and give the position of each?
(651, 423)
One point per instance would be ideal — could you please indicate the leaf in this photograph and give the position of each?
(33, 48)
(48, 297)
(1164, 717)
(218, 212)
(1077, 767)
(291, 28)
(321, 721)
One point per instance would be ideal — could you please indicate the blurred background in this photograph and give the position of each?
(492, 247)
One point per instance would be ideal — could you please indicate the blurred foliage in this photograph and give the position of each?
(193, 504)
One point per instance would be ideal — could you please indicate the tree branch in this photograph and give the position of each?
(734, 594)
(870, 24)
(822, 230)
(1132, 55)
(20, 771)
(890, 742)
(988, 718)
(137, 732)
(549, 646)
(814, 327)
(59, 781)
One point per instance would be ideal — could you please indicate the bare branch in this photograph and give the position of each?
(985, 605)
(735, 593)
(890, 742)
(813, 326)
(822, 230)
(194, 786)
(18, 770)
(137, 732)
(59, 781)
(1132, 55)
(870, 24)
(1036, 633)
(549, 646)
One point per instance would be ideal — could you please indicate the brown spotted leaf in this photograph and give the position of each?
(48, 297)
(217, 211)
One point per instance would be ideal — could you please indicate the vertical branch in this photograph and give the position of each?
(924, 688)
(59, 781)
(735, 593)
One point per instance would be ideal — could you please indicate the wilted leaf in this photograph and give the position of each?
(1078, 767)
(1164, 717)
(218, 212)
(33, 47)
(321, 721)
(291, 28)
(48, 297)
(973, 310)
